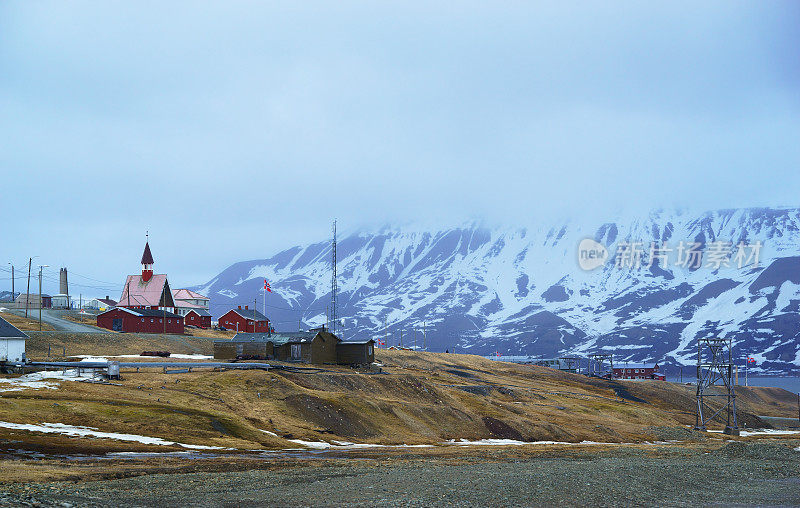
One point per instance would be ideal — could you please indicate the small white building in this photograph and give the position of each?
(187, 300)
(12, 343)
(60, 301)
(100, 304)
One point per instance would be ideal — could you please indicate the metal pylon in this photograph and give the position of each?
(597, 363)
(715, 364)
(334, 285)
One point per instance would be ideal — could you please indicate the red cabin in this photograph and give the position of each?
(122, 319)
(638, 371)
(245, 320)
(197, 317)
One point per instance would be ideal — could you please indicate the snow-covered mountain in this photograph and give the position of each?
(521, 291)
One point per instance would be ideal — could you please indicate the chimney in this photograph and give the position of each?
(245, 307)
(240, 307)
(107, 298)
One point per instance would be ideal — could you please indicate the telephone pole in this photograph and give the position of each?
(255, 306)
(28, 291)
(12, 282)
(40, 295)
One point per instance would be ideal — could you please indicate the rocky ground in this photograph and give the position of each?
(760, 472)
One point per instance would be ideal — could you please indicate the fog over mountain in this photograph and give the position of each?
(521, 291)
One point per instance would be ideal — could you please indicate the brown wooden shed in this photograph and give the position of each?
(254, 346)
(315, 346)
(355, 352)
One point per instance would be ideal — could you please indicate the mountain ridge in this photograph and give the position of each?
(520, 290)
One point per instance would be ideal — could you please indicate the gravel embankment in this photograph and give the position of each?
(740, 473)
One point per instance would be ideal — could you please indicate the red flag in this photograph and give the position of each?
(751, 360)
(266, 286)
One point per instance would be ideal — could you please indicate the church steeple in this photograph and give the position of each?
(147, 261)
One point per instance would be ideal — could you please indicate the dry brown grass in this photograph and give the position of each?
(25, 324)
(210, 334)
(418, 398)
(111, 343)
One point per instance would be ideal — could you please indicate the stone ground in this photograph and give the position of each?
(739, 473)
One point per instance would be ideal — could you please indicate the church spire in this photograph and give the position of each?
(147, 261)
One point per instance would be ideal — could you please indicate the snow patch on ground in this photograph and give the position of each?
(346, 445)
(90, 358)
(767, 432)
(78, 431)
(37, 380)
(176, 356)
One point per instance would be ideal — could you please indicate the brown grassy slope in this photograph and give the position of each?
(419, 398)
(112, 344)
(25, 324)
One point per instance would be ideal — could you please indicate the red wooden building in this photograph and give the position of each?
(198, 317)
(121, 319)
(638, 371)
(244, 320)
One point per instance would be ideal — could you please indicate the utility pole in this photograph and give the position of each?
(424, 337)
(12, 282)
(28, 291)
(255, 303)
(40, 296)
(385, 332)
(415, 338)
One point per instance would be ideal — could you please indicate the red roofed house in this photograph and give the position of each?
(247, 320)
(197, 317)
(146, 304)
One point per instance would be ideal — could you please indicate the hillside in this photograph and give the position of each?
(418, 398)
(520, 290)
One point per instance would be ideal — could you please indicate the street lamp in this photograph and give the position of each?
(40, 295)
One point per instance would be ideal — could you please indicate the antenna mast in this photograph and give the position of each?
(334, 288)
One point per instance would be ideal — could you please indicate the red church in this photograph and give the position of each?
(146, 304)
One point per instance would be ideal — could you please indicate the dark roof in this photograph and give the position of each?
(155, 313)
(147, 257)
(279, 338)
(108, 301)
(250, 313)
(199, 312)
(355, 342)
(8, 331)
(144, 312)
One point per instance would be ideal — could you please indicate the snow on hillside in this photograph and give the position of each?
(518, 290)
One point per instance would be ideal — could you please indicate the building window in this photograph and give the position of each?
(142, 320)
(369, 350)
(151, 320)
(169, 321)
(295, 351)
(160, 320)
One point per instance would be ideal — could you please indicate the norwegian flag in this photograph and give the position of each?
(750, 359)
(266, 286)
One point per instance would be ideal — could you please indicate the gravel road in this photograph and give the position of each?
(737, 474)
(53, 318)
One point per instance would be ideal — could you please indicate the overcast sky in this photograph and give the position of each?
(230, 132)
